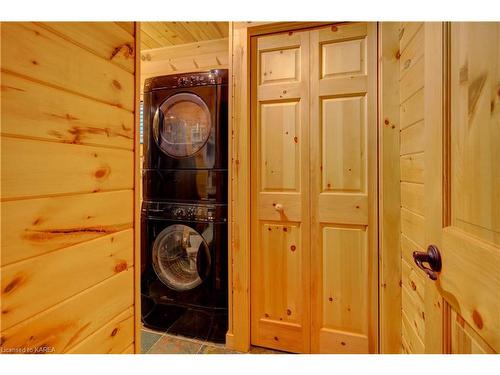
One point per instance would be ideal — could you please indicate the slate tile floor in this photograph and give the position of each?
(154, 342)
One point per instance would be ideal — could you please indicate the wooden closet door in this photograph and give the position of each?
(343, 189)
(280, 192)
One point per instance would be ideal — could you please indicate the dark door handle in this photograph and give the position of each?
(432, 257)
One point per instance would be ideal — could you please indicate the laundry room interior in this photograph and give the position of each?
(250, 187)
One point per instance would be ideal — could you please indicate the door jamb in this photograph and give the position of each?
(389, 189)
(137, 192)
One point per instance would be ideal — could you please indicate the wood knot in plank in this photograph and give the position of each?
(13, 284)
(102, 172)
(121, 266)
(116, 84)
(128, 51)
(475, 90)
(478, 320)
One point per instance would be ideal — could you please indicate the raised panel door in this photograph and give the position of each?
(343, 189)
(280, 184)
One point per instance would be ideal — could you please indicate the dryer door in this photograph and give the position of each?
(182, 125)
(181, 257)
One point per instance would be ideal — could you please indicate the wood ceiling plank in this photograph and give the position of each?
(182, 32)
(150, 29)
(196, 29)
(148, 41)
(211, 30)
(165, 34)
(223, 28)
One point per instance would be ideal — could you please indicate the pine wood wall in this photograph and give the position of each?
(68, 113)
(411, 51)
(184, 58)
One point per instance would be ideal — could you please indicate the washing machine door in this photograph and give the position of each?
(182, 125)
(181, 257)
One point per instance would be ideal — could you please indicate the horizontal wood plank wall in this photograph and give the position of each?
(67, 199)
(411, 64)
(184, 58)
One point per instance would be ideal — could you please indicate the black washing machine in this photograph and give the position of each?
(184, 281)
(185, 138)
(184, 245)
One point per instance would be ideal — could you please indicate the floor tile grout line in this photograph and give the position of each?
(183, 338)
(154, 343)
(199, 349)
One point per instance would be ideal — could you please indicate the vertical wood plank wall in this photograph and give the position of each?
(68, 116)
(411, 65)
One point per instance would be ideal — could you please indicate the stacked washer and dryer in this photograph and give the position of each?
(184, 210)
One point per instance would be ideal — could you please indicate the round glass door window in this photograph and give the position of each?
(181, 258)
(182, 125)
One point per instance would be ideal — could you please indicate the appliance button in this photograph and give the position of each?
(191, 212)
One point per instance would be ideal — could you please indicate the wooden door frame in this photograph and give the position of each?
(389, 189)
(137, 192)
(240, 33)
(434, 107)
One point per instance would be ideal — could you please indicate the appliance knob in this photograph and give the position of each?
(179, 213)
(210, 215)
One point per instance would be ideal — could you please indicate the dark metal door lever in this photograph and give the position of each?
(432, 257)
